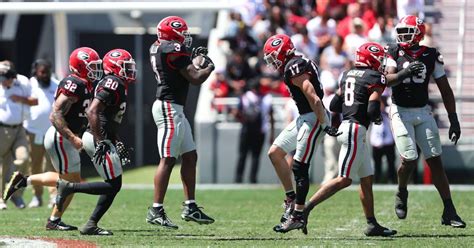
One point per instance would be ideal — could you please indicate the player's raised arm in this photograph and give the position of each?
(60, 108)
(198, 76)
(304, 83)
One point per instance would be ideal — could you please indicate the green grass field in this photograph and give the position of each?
(246, 217)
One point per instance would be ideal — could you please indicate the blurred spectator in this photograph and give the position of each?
(220, 88)
(330, 144)
(383, 31)
(15, 100)
(368, 14)
(344, 26)
(410, 7)
(238, 72)
(355, 39)
(333, 58)
(321, 29)
(383, 144)
(243, 41)
(38, 123)
(304, 45)
(277, 20)
(256, 115)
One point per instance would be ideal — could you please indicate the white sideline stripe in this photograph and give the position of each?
(377, 187)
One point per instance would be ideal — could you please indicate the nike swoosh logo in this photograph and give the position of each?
(425, 54)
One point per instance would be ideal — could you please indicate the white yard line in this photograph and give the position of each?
(22, 242)
(377, 187)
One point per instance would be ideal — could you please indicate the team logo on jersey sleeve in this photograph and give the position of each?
(82, 55)
(176, 24)
(276, 42)
(115, 54)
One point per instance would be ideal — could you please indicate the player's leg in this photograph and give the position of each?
(367, 199)
(310, 134)
(169, 138)
(377, 153)
(256, 149)
(404, 135)
(191, 211)
(283, 145)
(427, 136)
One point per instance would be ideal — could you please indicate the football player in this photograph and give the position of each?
(174, 71)
(358, 99)
(62, 140)
(410, 68)
(306, 132)
(102, 142)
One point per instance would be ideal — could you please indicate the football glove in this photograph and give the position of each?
(454, 129)
(101, 150)
(123, 153)
(332, 131)
(198, 51)
(414, 68)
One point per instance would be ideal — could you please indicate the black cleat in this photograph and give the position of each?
(292, 223)
(289, 205)
(157, 216)
(401, 199)
(58, 225)
(194, 213)
(64, 190)
(17, 181)
(94, 230)
(452, 220)
(378, 230)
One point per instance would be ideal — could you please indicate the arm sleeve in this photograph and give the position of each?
(439, 66)
(336, 104)
(373, 110)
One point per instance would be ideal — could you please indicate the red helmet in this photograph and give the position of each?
(174, 28)
(410, 31)
(370, 55)
(121, 64)
(277, 50)
(85, 63)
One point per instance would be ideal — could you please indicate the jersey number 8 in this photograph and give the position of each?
(349, 91)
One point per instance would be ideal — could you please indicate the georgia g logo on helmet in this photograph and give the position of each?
(82, 55)
(176, 24)
(115, 54)
(373, 49)
(276, 42)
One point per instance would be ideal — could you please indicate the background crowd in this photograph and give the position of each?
(326, 31)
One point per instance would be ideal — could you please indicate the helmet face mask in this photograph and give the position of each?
(272, 61)
(95, 70)
(120, 63)
(406, 34)
(410, 31)
(129, 69)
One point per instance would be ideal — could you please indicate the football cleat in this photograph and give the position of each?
(292, 223)
(17, 181)
(94, 230)
(194, 213)
(59, 225)
(378, 230)
(289, 205)
(3, 206)
(158, 217)
(64, 190)
(452, 220)
(401, 199)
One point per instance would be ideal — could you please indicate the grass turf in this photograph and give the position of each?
(246, 218)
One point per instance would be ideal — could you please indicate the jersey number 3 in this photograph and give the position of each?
(349, 91)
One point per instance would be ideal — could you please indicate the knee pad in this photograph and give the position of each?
(116, 184)
(300, 170)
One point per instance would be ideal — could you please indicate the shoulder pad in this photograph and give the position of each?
(296, 66)
(439, 56)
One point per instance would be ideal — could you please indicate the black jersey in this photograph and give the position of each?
(413, 91)
(73, 86)
(167, 58)
(356, 87)
(297, 66)
(112, 91)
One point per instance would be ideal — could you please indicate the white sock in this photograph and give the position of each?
(157, 205)
(187, 202)
(28, 181)
(54, 218)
